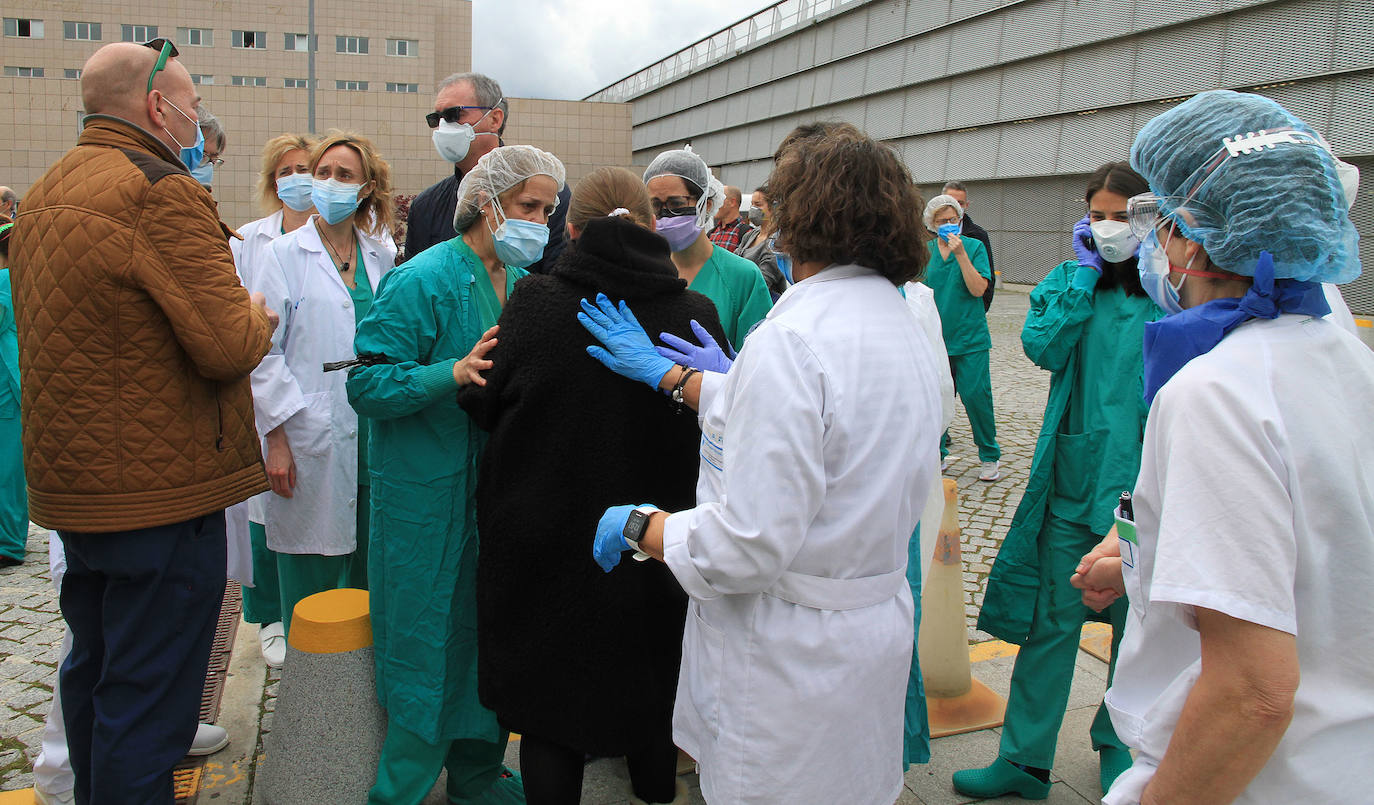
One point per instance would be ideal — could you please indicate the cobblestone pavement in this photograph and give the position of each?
(31, 626)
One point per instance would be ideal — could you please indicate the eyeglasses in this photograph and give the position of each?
(166, 50)
(209, 160)
(451, 114)
(674, 207)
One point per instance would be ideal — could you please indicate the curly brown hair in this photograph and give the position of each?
(841, 197)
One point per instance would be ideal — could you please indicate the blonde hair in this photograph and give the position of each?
(272, 152)
(377, 212)
(604, 190)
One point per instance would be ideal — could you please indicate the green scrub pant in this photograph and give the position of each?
(973, 382)
(14, 496)
(409, 765)
(262, 601)
(1044, 665)
(916, 730)
(301, 575)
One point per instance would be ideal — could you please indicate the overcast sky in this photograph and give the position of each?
(569, 49)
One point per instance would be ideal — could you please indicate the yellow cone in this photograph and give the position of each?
(955, 700)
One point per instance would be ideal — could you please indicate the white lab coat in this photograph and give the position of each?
(817, 450)
(317, 326)
(921, 300)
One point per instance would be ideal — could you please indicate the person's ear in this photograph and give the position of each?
(498, 119)
(571, 230)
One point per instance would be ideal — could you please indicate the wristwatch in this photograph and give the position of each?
(635, 526)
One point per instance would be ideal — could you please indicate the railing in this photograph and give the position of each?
(721, 45)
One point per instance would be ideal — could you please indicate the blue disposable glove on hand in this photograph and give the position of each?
(1082, 240)
(627, 349)
(708, 357)
(610, 542)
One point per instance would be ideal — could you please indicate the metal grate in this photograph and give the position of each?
(1359, 295)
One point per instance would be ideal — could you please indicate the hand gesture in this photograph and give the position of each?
(625, 347)
(260, 301)
(1098, 574)
(1083, 246)
(469, 369)
(955, 243)
(708, 357)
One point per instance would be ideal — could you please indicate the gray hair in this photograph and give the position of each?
(486, 89)
(953, 185)
(7, 195)
(211, 127)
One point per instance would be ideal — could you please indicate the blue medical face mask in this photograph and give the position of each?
(946, 230)
(1153, 265)
(518, 243)
(333, 199)
(295, 190)
(205, 174)
(193, 155)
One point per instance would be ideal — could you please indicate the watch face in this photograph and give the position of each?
(635, 525)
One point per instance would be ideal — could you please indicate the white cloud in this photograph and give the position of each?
(569, 49)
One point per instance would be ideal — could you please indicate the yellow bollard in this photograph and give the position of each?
(955, 701)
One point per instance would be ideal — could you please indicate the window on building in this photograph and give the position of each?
(248, 80)
(71, 73)
(296, 83)
(23, 72)
(138, 33)
(196, 37)
(197, 78)
(354, 86)
(350, 44)
(250, 39)
(299, 42)
(392, 86)
(27, 29)
(87, 31)
(402, 47)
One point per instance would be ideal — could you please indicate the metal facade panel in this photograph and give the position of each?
(761, 142)
(784, 56)
(699, 84)
(824, 50)
(883, 116)
(715, 115)
(1093, 140)
(974, 99)
(847, 33)
(927, 108)
(806, 48)
(1094, 76)
(1031, 88)
(717, 81)
(927, 57)
(760, 66)
(1309, 101)
(926, 157)
(985, 202)
(973, 152)
(848, 81)
(736, 146)
(1352, 130)
(925, 15)
(737, 75)
(736, 110)
(1354, 33)
(1297, 39)
(806, 92)
(782, 98)
(884, 69)
(886, 22)
(822, 93)
(1030, 28)
(1091, 22)
(1167, 63)
(963, 9)
(1359, 295)
(1031, 148)
(975, 44)
(1158, 13)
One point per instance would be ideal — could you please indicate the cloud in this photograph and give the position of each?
(569, 49)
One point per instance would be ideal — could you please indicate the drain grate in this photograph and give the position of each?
(186, 776)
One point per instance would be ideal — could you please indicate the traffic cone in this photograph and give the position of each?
(956, 702)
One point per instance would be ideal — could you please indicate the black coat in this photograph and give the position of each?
(980, 234)
(431, 220)
(566, 652)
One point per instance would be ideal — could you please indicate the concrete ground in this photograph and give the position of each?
(31, 631)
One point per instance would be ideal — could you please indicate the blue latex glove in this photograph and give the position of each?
(1083, 248)
(609, 542)
(627, 349)
(708, 357)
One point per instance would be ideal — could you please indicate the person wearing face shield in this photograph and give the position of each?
(1250, 546)
(958, 273)
(1085, 325)
(428, 334)
(469, 120)
(685, 197)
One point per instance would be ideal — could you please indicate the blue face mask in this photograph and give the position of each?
(333, 199)
(191, 156)
(205, 174)
(1153, 265)
(294, 191)
(946, 230)
(518, 243)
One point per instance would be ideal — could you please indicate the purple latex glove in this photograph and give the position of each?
(708, 357)
(1083, 246)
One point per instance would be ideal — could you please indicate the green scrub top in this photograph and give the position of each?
(14, 500)
(362, 303)
(963, 319)
(737, 288)
(423, 456)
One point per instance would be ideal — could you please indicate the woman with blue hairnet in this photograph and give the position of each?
(1249, 551)
(1085, 325)
(427, 334)
(685, 197)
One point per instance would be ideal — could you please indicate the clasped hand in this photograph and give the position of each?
(1098, 574)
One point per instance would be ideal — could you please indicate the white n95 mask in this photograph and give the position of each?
(1115, 241)
(452, 140)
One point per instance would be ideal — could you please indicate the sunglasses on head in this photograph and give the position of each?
(166, 50)
(451, 114)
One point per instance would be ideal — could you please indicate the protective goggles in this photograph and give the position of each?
(452, 114)
(166, 50)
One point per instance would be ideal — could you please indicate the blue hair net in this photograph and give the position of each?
(1233, 185)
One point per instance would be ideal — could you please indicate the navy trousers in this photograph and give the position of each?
(142, 606)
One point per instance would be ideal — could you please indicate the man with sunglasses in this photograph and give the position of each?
(136, 340)
(468, 120)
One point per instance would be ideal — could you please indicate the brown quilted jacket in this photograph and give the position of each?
(135, 341)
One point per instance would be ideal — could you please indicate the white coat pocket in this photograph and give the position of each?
(308, 429)
(703, 650)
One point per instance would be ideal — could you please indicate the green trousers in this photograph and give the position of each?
(14, 496)
(300, 575)
(916, 730)
(409, 766)
(973, 382)
(1044, 665)
(262, 601)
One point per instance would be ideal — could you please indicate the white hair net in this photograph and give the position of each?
(498, 171)
(687, 164)
(928, 217)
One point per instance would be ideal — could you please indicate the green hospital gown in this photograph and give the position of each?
(423, 458)
(14, 499)
(737, 288)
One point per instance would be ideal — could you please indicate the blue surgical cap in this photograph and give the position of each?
(1237, 188)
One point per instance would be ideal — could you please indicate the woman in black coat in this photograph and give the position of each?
(576, 660)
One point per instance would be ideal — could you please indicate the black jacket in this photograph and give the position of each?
(980, 234)
(431, 220)
(566, 652)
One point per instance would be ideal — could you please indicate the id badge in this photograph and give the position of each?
(1126, 538)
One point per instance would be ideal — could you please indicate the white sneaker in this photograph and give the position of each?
(991, 471)
(272, 637)
(209, 740)
(947, 462)
(67, 797)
